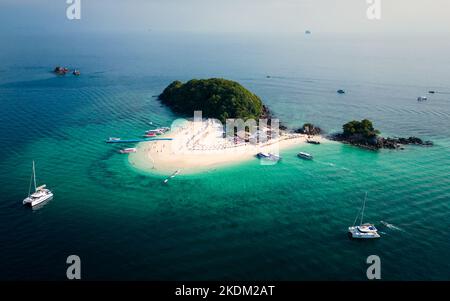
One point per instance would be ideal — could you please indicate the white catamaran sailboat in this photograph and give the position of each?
(363, 230)
(40, 194)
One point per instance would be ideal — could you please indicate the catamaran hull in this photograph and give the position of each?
(33, 202)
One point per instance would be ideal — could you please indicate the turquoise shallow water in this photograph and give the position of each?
(283, 222)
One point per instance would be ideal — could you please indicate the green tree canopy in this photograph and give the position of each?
(363, 127)
(215, 97)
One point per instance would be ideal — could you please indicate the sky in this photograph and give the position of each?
(228, 16)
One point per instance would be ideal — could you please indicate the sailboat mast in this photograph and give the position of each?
(29, 187)
(34, 176)
(364, 206)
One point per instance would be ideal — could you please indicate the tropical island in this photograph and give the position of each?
(363, 134)
(200, 144)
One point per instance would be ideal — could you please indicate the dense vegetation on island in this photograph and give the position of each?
(215, 97)
(363, 134)
(363, 128)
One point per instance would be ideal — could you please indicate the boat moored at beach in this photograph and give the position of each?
(128, 150)
(40, 194)
(175, 173)
(172, 176)
(312, 141)
(159, 131)
(156, 132)
(136, 140)
(268, 156)
(304, 155)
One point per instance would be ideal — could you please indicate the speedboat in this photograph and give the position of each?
(175, 173)
(112, 140)
(172, 176)
(422, 98)
(305, 156)
(156, 132)
(364, 230)
(127, 150)
(268, 156)
(340, 91)
(40, 194)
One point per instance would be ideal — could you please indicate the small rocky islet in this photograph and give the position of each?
(63, 71)
(364, 135)
(309, 129)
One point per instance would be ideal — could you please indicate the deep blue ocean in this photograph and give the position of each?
(245, 222)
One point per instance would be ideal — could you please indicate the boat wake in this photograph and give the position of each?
(333, 165)
(391, 226)
(326, 163)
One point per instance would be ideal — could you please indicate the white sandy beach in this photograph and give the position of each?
(199, 146)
